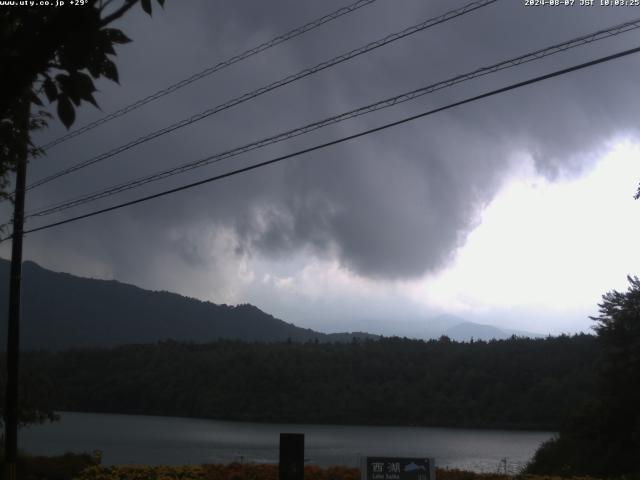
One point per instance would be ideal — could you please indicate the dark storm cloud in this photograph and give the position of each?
(394, 205)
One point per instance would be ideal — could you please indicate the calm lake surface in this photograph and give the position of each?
(134, 439)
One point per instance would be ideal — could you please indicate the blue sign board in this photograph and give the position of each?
(398, 468)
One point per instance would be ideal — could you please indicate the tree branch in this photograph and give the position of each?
(118, 13)
(104, 5)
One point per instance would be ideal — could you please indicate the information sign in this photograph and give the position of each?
(398, 468)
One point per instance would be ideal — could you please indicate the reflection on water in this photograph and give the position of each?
(134, 439)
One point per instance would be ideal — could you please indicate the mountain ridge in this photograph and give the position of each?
(466, 331)
(61, 310)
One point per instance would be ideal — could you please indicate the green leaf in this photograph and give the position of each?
(66, 112)
(83, 87)
(94, 65)
(63, 80)
(106, 46)
(68, 87)
(110, 71)
(50, 89)
(146, 6)
(35, 99)
(94, 69)
(82, 82)
(73, 55)
(89, 98)
(115, 36)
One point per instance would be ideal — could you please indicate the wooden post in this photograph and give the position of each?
(13, 328)
(291, 466)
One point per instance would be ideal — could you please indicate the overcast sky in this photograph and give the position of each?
(515, 210)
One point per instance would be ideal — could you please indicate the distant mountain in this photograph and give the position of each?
(60, 310)
(463, 332)
(445, 321)
(414, 326)
(452, 326)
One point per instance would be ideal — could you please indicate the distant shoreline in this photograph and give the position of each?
(324, 424)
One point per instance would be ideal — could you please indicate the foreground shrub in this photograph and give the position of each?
(87, 467)
(141, 473)
(62, 467)
(237, 471)
(232, 471)
(447, 474)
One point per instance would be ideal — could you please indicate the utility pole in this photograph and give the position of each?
(13, 333)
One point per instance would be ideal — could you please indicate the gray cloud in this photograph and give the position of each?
(391, 206)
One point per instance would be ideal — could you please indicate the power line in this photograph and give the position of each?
(272, 86)
(386, 103)
(210, 70)
(341, 140)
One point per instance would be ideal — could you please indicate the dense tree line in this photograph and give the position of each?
(515, 383)
(602, 436)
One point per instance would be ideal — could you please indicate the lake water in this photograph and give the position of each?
(135, 439)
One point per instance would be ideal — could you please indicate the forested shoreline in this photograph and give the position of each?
(516, 383)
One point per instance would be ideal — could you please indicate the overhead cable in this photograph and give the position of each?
(379, 105)
(272, 86)
(514, 86)
(210, 70)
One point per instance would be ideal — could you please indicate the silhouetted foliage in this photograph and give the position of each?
(515, 383)
(62, 467)
(52, 53)
(34, 393)
(603, 438)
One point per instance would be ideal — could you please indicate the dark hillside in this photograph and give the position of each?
(61, 311)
